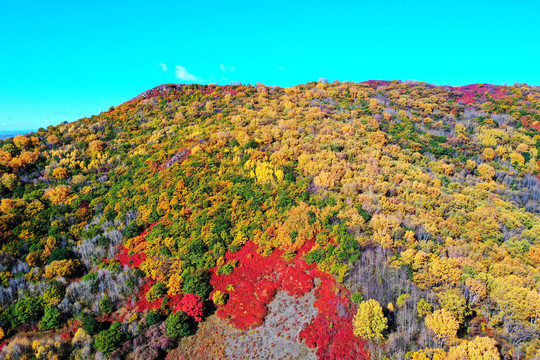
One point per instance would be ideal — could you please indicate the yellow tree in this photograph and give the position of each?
(453, 301)
(481, 348)
(300, 226)
(486, 171)
(60, 173)
(488, 154)
(443, 324)
(59, 194)
(369, 321)
(64, 268)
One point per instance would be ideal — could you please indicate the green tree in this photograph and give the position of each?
(179, 325)
(52, 319)
(28, 310)
(61, 254)
(90, 325)
(105, 305)
(153, 317)
(197, 284)
(108, 340)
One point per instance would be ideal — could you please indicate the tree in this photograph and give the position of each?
(488, 154)
(179, 325)
(486, 172)
(21, 141)
(481, 348)
(456, 303)
(153, 317)
(105, 305)
(96, 146)
(443, 324)
(61, 254)
(60, 173)
(108, 340)
(64, 268)
(59, 195)
(90, 325)
(28, 310)
(197, 284)
(369, 321)
(301, 225)
(475, 291)
(52, 319)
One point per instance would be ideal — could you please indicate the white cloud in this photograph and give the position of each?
(281, 68)
(183, 74)
(226, 68)
(163, 66)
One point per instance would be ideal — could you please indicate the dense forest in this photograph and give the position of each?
(373, 220)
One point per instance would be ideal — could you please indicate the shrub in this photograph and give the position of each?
(192, 305)
(220, 297)
(357, 297)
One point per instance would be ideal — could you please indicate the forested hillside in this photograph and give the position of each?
(374, 220)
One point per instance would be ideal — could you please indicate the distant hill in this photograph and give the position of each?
(374, 220)
(10, 133)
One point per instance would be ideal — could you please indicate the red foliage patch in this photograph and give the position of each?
(134, 260)
(331, 332)
(295, 281)
(528, 125)
(474, 92)
(191, 305)
(73, 326)
(255, 282)
(143, 304)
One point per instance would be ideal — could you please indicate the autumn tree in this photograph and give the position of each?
(369, 321)
(443, 324)
(59, 194)
(481, 348)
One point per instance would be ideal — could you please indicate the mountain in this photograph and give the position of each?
(367, 220)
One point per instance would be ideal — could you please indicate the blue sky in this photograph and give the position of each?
(63, 60)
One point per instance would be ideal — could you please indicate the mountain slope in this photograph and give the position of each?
(383, 218)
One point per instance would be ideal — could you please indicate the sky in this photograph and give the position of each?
(64, 60)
